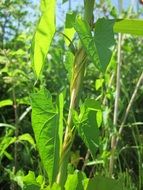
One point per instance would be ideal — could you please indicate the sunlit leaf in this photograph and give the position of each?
(74, 181)
(26, 137)
(44, 34)
(129, 26)
(29, 182)
(6, 102)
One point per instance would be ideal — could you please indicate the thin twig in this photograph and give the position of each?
(129, 106)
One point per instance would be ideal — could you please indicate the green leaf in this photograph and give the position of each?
(55, 186)
(98, 83)
(26, 137)
(74, 181)
(92, 104)
(99, 47)
(85, 35)
(29, 182)
(102, 183)
(69, 30)
(64, 1)
(7, 102)
(70, 19)
(104, 40)
(129, 26)
(5, 143)
(43, 36)
(45, 122)
(89, 132)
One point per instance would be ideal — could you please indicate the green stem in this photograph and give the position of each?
(75, 88)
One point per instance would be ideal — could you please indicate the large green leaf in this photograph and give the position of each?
(44, 34)
(102, 183)
(99, 47)
(85, 35)
(129, 26)
(45, 122)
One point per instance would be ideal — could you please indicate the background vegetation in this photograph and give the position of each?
(18, 152)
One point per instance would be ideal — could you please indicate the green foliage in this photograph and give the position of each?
(98, 183)
(73, 138)
(45, 122)
(74, 181)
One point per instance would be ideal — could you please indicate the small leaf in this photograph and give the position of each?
(99, 118)
(74, 181)
(5, 143)
(92, 104)
(29, 182)
(98, 83)
(43, 36)
(27, 137)
(7, 102)
(45, 122)
(89, 132)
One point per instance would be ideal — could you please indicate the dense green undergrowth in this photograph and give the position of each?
(82, 83)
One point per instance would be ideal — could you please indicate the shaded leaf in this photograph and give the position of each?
(99, 47)
(64, 1)
(92, 104)
(102, 183)
(45, 122)
(89, 132)
(85, 35)
(104, 40)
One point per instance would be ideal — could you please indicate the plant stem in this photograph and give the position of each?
(76, 83)
(75, 88)
(16, 130)
(115, 119)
